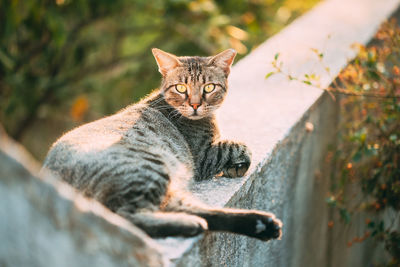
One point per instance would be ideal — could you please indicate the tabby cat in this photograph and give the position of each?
(140, 162)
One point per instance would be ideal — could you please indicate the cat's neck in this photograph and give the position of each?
(156, 100)
(153, 98)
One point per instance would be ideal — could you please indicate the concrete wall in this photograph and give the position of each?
(45, 223)
(288, 175)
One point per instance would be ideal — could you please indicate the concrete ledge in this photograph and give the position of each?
(44, 222)
(262, 112)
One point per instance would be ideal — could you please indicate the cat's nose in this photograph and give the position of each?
(195, 106)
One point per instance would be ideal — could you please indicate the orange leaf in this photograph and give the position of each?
(79, 108)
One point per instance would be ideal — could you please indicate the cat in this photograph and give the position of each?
(140, 161)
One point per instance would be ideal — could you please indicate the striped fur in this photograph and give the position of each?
(140, 162)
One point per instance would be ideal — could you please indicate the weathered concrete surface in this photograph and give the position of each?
(261, 112)
(288, 175)
(43, 222)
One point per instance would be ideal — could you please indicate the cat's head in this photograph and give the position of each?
(195, 86)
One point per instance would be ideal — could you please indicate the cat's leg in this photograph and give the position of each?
(230, 158)
(163, 224)
(253, 223)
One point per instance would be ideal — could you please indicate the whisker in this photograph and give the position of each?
(173, 113)
(164, 107)
(180, 117)
(156, 102)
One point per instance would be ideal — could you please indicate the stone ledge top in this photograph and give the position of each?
(261, 112)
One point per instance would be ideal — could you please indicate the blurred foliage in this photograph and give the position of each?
(63, 62)
(367, 156)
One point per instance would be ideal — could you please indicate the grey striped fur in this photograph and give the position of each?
(140, 162)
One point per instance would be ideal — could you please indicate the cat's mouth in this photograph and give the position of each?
(195, 116)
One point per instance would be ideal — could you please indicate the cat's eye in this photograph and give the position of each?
(209, 88)
(180, 88)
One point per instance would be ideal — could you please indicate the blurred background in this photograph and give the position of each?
(66, 62)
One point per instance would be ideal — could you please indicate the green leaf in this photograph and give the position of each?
(331, 201)
(276, 56)
(269, 74)
(357, 156)
(307, 82)
(345, 215)
(373, 75)
(6, 61)
(381, 226)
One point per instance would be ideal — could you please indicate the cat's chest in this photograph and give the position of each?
(198, 134)
(155, 132)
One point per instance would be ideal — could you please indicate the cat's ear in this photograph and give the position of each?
(165, 61)
(223, 60)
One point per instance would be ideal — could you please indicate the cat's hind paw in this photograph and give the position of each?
(266, 227)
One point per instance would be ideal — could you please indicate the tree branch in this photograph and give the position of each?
(199, 42)
(81, 74)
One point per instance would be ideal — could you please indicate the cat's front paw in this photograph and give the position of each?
(267, 227)
(239, 161)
